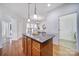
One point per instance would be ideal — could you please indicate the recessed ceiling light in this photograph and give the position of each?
(49, 5)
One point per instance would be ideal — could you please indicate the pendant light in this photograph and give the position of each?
(28, 12)
(35, 14)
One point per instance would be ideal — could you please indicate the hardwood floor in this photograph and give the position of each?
(15, 49)
(62, 51)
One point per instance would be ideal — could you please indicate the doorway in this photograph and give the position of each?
(68, 31)
(6, 31)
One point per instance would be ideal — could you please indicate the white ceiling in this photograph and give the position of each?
(21, 9)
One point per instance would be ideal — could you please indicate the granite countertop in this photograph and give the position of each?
(42, 37)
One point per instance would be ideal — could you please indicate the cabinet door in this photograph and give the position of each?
(29, 46)
(35, 48)
(0, 51)
(47, 48)
(24, 44)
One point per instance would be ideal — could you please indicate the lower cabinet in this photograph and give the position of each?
(29, 46)
(34, 48)
(24, 44)
(47, 48)
(0, 51)
(42, 49)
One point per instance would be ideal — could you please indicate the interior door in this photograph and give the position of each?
(68, 30)
(5, 31)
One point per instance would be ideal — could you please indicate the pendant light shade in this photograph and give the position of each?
(28, 19)
(35, 14)
(28, 12)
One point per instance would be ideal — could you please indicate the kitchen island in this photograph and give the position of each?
(38, 45)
